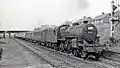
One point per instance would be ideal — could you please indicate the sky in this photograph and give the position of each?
(28, 14)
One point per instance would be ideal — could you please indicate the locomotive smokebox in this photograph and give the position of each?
(89, 32)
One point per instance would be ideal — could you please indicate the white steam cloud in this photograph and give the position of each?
(26, 14)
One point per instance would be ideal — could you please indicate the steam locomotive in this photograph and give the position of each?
(79, 39)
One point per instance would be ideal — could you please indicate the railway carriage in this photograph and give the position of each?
(28, 36)
(36, 37)
(1, 35)
(20, 35)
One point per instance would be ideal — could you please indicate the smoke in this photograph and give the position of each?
(65, 10)
(26, 14)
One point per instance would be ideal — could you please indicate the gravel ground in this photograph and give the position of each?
(62, 60)
(15, 56)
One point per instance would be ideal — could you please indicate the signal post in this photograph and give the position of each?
(113, 19)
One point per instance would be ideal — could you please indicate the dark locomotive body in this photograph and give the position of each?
(80, 39)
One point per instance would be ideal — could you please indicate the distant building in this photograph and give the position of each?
(103, 25)
(104, 18)
(89, 19)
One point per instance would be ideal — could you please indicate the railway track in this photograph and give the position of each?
(112, 58)
(115, 64)
(63, 60)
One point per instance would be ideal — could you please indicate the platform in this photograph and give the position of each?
(15, 56)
